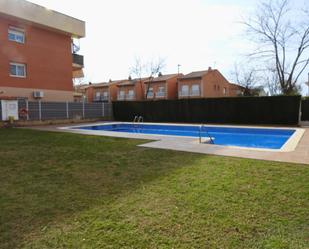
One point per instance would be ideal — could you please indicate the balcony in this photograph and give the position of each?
(78, 61)
(160, 94)
(183, 94)
(195, 93)
(130, 96)
(121, 97)
(101, 98)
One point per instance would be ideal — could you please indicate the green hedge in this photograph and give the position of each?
(305, 109)
(282, 110)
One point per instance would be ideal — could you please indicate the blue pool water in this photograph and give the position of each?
(232, 136)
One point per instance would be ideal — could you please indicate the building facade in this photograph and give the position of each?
(36, 58)
(161, 87)
(205, 84)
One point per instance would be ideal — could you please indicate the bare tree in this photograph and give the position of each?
(245, 77)
(137, 70)
(282, 35)
(150, 69)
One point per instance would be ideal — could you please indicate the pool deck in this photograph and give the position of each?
(299, 155)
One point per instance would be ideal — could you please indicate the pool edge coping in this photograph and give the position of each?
(289, 146)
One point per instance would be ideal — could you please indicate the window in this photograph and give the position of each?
(121, 95)
(160, 91)
(98, 94)
(195, 90)
(224, 91)
(184, 90)
(105, 94)
(130, 94)
(16, 34)
(150, 92)
(18, 70)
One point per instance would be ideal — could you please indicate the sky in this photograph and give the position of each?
(193, 33)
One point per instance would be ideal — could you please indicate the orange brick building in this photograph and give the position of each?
(131, 89)
(162, 87)
(36, 60)
(205, 84)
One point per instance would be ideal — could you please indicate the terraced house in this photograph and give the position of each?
(131, 89)
(162, 87)
(205, 84)
(37, 58)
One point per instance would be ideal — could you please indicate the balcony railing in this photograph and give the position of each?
(130, 96)
(101, 98)
(121, 97)
(160, 94)
(195, 93)
(78, 59)
(183, 93)
(189, 94)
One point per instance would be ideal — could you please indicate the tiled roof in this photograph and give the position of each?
(163, 78)
(131, 82)
(197, 74)
(236, 85)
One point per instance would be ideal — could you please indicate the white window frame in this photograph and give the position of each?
(196, 92)
(17, 32)
(160, 92)
(224, 91)
(150, 92)
(18, 65)
(130, 94)
(184, 93)
(121, 95)
(105, 94)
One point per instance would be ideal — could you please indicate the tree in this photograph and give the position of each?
(152, 68)
(282, 35)
(247, 78)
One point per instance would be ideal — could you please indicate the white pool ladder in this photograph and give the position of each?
(137, 120)
(200, 134)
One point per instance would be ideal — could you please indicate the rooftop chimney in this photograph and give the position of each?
(209, 68)
(90, 83)
(160, 74)
(130, 78)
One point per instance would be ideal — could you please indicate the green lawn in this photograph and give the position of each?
(72, 191)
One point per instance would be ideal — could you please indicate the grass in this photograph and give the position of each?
(72, 191)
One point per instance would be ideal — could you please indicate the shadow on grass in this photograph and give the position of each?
(47, 177)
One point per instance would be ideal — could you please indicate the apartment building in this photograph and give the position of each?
(204, 84)
(161, 87)
(37, 58)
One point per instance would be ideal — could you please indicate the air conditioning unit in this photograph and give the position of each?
(38, 94)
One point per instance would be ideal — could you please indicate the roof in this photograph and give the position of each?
(131, 82)
(163, 78)
(42, 16)
(236, 85)
(197, 74)
(82, 86)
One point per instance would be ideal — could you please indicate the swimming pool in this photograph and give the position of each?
(264, 138)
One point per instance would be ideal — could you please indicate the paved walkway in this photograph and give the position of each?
(299, 155)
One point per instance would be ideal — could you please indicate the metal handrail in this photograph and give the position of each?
(140, 119)
(200, 134)
(135, 120)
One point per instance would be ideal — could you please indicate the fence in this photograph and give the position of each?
(305, 110)
(38, 110)
(283, 110)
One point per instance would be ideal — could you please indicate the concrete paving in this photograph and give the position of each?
(299, 155)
